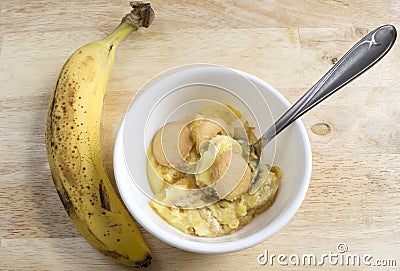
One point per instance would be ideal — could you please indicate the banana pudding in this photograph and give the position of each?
(200, 173)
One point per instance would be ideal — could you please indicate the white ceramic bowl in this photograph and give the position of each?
(260, 103)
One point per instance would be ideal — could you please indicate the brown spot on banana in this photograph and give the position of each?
(52, 107)
(104, 199)
(62, 193)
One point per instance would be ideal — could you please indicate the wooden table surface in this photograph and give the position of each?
(354, 195)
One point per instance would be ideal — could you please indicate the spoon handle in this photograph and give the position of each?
(363, 55)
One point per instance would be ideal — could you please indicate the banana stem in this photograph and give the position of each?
(141, 15)
(120, 33)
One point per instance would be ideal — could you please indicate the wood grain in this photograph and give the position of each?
(355, 135)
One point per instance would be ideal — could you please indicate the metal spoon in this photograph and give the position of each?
(363, 55)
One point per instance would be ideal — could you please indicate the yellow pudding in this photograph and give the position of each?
(207, 155)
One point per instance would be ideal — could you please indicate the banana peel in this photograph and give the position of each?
(74, 147)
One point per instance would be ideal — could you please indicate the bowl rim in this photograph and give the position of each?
(232, 245)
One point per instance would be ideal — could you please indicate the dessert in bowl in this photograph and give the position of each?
(186, 91)
(200, 169)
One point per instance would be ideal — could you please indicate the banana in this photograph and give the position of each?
(74, 148)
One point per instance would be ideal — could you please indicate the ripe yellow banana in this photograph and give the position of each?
(74, 147)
